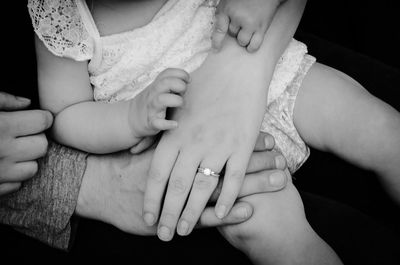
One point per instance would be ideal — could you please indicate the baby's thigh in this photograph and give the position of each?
(335, 113)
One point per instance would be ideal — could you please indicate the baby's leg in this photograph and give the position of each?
(278, 232)
(334, 113)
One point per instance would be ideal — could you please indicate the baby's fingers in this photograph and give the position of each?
(244, 36)
(163, 101)
(233, 180)
(171, 85)
(220, 31)
(256, 41)
(163, 125)
(174, 73)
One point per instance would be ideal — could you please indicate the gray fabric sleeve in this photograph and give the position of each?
(43, 207)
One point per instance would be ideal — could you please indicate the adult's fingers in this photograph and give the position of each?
(178, 189)
(7, 188)
(161, 166)
(10, 102)
(240, 212)
(260, 182)
(265, 141)
(19, 172)
(264, 161)
(220, 31)
(233, 179)
(203, 186)
(28, 122)
(29, 147)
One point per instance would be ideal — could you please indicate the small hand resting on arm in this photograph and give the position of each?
(218, 127)
(98, 127)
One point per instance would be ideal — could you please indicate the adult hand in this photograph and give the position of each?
(113, 187)
(218, 127)
(21, 141)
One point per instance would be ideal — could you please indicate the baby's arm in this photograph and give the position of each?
(335, 113)
(65, 90)
(247, 20)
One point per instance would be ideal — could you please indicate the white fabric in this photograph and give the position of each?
(122, 65)
(58, 24)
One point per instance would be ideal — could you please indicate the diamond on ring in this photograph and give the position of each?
(207, 171)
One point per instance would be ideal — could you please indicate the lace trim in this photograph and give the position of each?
(278, 121)
(58, 24)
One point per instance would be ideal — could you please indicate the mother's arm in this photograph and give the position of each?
(69, 183)
(218, 126)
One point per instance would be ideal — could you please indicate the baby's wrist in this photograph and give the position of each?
(136, 121)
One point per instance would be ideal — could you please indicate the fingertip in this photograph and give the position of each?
(280, 162)
(23, 101)
(7, 188)
(269, 142)
(49, 119)
(255, 42)
(220, 211)
(242, 211)
(149, 219)
(278, 179)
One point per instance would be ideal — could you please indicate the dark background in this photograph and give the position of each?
(360, 38)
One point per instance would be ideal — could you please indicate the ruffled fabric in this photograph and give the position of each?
(58, 24)
(179, 36)
(278, 120)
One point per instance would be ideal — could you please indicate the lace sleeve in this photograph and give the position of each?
(59, 25)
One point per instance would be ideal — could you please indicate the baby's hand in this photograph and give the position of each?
(247, 20)
(147, 111)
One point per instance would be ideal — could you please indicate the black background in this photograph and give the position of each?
(361, 38)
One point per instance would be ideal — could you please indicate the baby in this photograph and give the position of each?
(110, 87)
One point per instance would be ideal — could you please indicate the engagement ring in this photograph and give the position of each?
(208, 172)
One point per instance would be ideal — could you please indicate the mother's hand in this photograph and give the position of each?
(218, 127)
(113, 186)
(22, 141)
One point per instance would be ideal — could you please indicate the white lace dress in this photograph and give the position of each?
(122, 65)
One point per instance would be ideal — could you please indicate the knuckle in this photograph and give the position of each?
(190, 215)
(178, 186)
(32, 169)
(168, 218)
(236, 175)
(203, 183)
(155, 176)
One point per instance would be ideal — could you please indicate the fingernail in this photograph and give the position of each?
(22, 99)
(268, 143)
(280, 162)
(242, 213)
(183, 228)
(277, 179)
(220, 211)
(149, 219)
(164, 233)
